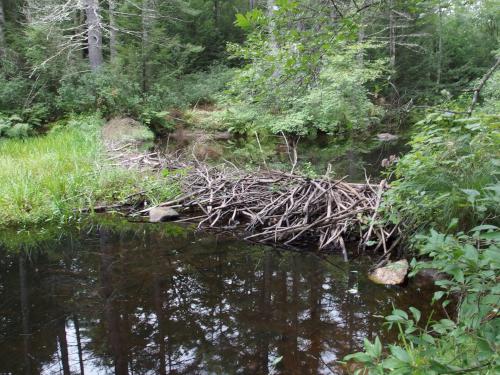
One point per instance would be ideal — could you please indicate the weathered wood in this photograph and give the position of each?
(285, 208)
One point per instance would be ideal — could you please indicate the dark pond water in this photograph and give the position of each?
(354, 157)
(162, 299)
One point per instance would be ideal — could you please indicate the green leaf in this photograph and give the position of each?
(416, 313)
(438, 295)
(400, 354)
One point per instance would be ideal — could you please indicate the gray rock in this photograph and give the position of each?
(392, 274)
(425, 278)
(386, 137)
(159, 214)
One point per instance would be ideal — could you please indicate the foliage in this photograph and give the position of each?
(203, 87)
(468, 343)
(107, 91)
(446, 196)
(308, 77)
(451, 172)
(54, 177)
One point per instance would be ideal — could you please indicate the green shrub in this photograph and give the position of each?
(467, 344)
(451, 172)
(205, 87)
(107, 91)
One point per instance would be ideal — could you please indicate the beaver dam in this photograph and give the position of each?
(276, 207)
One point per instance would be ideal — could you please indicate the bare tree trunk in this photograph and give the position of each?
(94, 33)
(483, 81)
(251, 4)
(440, 47)
(272, 26)
(2, 30)
(112, 30)
(216, 12)
(146, 24)
(392, 36)
(361, 39)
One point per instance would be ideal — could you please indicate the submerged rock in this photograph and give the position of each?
(386, 137)
(159, 214)
(392, 274)
(425, 278)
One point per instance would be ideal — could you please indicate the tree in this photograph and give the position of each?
(2, 30)
(113, 30)
(94, 33)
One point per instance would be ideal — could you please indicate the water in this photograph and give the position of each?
(353, 157)
(162, 299)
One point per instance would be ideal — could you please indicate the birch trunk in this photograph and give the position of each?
(94, 34)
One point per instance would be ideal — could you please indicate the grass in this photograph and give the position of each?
(52, 178)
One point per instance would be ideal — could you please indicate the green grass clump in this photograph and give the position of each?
(54, 177)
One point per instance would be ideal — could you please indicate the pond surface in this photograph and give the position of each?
(351, 157)
(162, 299)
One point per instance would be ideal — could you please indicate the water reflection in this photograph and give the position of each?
(142, 302)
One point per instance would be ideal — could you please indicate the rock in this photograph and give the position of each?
(122, 130)
(386, 137)
(425, 278)
(159, 214)
(392, 274)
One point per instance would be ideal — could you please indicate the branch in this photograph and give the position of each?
(477, 90)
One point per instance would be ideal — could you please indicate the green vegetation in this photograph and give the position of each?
(278, 74)
(56, 176)
(447, 198)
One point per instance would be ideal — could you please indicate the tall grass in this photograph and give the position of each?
(55, 176)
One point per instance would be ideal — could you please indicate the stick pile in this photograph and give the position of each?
(285, 208)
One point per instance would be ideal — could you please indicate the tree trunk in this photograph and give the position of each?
(2, 31)
(216, 12)
(440, 47)
(112, 30)
(392, 36)
(272, 26)
(94, 34)
(147, 15)
(361, 39)
(251, 4)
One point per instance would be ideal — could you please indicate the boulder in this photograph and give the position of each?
(426, 277)
(386, 137)
(159, 214)
(392, 274)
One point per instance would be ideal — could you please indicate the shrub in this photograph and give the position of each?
(107, 91)
(451, 172)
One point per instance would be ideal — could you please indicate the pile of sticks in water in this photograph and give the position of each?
(286, 208)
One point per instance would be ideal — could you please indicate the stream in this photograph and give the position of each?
(123, 297)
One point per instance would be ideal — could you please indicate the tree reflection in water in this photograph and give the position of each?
(141, 300)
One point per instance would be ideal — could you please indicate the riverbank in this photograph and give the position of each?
(58, 176)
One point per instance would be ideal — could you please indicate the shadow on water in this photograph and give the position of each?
(350, 157)
(162, 299)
